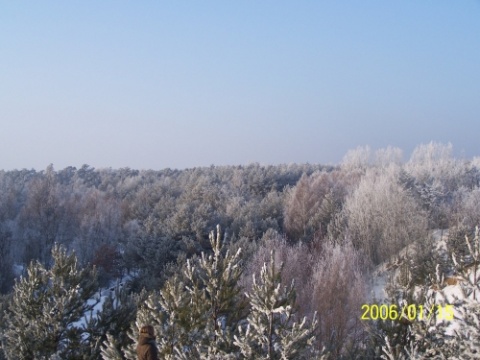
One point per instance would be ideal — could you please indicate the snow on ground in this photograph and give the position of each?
(440, 237)
(447, 308)
(99, 299)
(379, 281)
(450, 294)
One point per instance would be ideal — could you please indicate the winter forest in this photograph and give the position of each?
(297, 261)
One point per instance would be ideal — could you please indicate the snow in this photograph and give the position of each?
(99, 299)
(454, 296)
(97, 302)
(440, 236)
(451, 294)
(378, 293)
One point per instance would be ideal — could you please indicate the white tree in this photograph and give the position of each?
(382, 217)
(359, 158)
(432, 160)
(302, 210)
(435, 166)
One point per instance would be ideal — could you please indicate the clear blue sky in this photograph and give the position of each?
(155, 84)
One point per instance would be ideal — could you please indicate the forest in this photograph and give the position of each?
(243, 262)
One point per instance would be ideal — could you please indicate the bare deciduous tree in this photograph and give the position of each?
(337, 289)
(382, 217)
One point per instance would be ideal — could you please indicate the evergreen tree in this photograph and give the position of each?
(194, 315)
(391, 353)
(111, 349)
(43, 317)
(271, 331)
(113, 320)
(214, 282)
(435, 337)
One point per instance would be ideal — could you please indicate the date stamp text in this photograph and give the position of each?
(409, 312)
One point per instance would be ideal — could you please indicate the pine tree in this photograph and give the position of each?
(43, 315)
(111, 349)
(432, 337)
(270, 331)
(113, 320)
(196, 314)
(390, 353)
(468, 308)
(214, 282)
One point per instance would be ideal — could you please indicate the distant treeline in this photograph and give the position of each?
(116, 218)
(328, 225)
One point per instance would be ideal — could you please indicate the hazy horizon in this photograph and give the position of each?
(153, 85)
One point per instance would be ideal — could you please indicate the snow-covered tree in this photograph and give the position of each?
(358, 158)
(301, 210)
(336, 291)
(434, 336)
(433, 160)
(438, 176)
(271, 330)
(41, 216)
(148, 254)
(111, 349)
(392, 353)
(387, 156)
(382, 217)
(214, 281)
(45, 312)
(195, 315)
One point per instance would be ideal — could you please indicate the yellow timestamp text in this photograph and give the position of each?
(409, 312)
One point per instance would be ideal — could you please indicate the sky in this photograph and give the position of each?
(180, 84)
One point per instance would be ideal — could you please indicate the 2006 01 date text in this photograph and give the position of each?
(410, 312)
